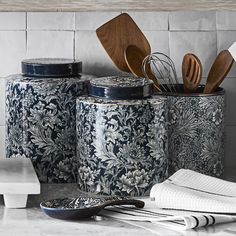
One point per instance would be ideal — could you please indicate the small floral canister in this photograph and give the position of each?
(121, 137)
(196, 131)
(40, 116)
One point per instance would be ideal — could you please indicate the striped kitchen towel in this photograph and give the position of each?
(186, 200)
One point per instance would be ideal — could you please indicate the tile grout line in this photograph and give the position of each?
(74, 42)
(154, 30)
(74, 37)
(46, 30)
(26, 34)
(168, 28)
(216, 34)
(168, 22)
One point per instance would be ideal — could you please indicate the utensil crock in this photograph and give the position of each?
(196, 131)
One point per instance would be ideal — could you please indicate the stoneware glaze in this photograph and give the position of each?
(122, 145)
(196, 131)
(83, 207)
(118, 87)
(51, 67)
(40, 123)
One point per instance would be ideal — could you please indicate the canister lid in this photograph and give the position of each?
(121, 87)
(51, 67)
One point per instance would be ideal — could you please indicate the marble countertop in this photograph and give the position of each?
(32, 221)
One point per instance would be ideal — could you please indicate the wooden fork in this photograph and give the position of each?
(191, 72)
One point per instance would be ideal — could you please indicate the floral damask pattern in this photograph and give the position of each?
(121, 145)
(40, 124)
(120, 81)
(196, 133)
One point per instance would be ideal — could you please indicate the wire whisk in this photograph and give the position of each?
(163, 69)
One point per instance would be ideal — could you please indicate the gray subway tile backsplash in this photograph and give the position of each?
(203, 44)
(151, 20)
(12, 20)
(2, 142)
(12, 51)
(229, 84)
(2, 101)
(92, 20)
(225, 20)
(50, 44)
(93, 56)
(230, 148)
(159, 41)
(192, 21)
(224, 40)
(50, 20)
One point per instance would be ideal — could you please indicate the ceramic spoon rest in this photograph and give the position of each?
(83, 207)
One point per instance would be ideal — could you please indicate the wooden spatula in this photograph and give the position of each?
(191, 72)
(117, 34)
(134, 58)
(218, 71)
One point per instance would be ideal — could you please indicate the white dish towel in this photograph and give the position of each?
(189, 190)
(212, 200)
(185, 200)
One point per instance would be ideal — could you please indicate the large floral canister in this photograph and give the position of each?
(196, 131)
(40, 116)
(121, 137)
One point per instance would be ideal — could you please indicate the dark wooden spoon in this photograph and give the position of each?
(218, 71)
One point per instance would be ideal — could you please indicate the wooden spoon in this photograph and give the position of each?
(191, 72)
(134, 58)
(218, 71)
(117, 34)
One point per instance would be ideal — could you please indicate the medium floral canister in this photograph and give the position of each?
(121, 137)
(40, 116)
(196, 131)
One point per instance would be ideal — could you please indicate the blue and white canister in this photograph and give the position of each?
(196, 131)
(121, 143)
(40, 116)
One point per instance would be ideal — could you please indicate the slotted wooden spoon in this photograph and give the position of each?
(117, 34)
(134, 58)
(191, 72)
(218, 71)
